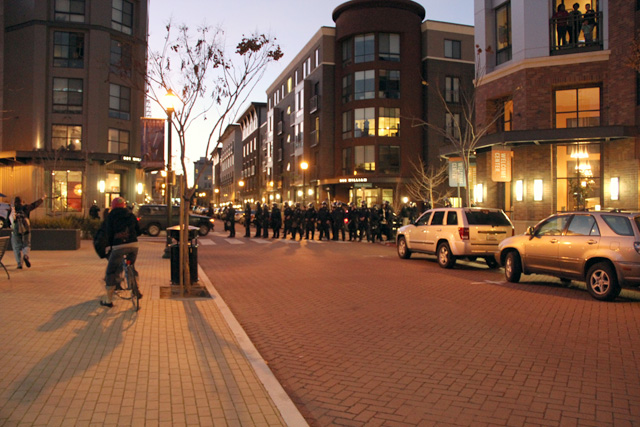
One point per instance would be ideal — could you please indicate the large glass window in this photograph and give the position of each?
(578, 172)
(389, 47)
(389, 122)
(365, 158)
(452, 123)
(67, 137)
(119, 102)
(503, 33)
(389, 159)
(69, 10)
(347, 52)
(452, 89)
(389, 84)
(68, 49)
(67, 95)
(364, 46)
(365, 84)
(347, 88)
(577, 107)
(452, 49)
(120, 60)
(507, 118)
(364, 122)
(347, 124)
(118, 141)
(122, 16)
(66, 191)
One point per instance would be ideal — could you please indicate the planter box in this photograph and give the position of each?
(51, 239)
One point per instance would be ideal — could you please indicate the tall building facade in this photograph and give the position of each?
(73, 96)
(253, 175)
(347, 104)
(568, 138)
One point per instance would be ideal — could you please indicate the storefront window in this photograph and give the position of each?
(578, 172)
(66, 191)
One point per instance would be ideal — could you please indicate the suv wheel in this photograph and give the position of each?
(203, 229)
(602, 283)
(153, 229)
(445, 257)
(403, 251)
(512, 267)
(3, 222)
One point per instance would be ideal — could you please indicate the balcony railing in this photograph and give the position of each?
(576, 33)
(314, 104)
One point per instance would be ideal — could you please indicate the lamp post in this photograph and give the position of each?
(241, 184)
(169, 99)
(304, 166)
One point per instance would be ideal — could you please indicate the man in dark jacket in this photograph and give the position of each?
(338, 215)
(296, 223)
(352, 216)
(265, 221)
(363, 222)
(21, 229)
(324, 221)
(258, 220)
(276, 221)
(122, 236)
(288, 219)
(310, 217)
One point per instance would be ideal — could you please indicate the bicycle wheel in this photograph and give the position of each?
(133, 287)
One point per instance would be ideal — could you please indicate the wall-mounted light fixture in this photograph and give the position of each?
(519, 190)
(538, 190)
(614, 189)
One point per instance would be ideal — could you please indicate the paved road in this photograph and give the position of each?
(357, 336)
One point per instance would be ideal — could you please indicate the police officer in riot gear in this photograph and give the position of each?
(276, 221)
(352, 218)
(338, 216)
(310, 217)
(324, 221)
(363, 222)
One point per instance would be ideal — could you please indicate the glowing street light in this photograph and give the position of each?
(304, 166)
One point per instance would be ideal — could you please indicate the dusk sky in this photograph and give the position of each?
(291, 22)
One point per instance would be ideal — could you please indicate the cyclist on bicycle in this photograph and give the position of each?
(122, 235)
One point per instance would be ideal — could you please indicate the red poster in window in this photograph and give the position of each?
(501, 165)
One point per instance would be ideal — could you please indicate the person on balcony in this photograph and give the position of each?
(561, 18)
(575, 21)
(588, 24)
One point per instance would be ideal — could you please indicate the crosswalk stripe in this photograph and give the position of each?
(234, 241)
(261, 241)
(206, 242)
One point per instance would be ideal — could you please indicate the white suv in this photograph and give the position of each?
(451, 233)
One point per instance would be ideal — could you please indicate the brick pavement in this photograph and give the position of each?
(64, 360)
(358, 337)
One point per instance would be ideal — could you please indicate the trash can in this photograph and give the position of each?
(174, 232)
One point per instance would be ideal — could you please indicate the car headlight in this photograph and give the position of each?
(211, 220)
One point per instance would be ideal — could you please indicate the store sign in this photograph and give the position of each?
(350, 180)
(501, 165)
(456, 173)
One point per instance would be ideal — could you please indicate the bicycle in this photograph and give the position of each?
(129, 286)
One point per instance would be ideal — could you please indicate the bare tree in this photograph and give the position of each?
(209, 83)
(464, 134)
(427, 183)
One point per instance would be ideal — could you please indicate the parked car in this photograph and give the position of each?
(5, 210)
(452, 233)
(153, 218)
(600, 248)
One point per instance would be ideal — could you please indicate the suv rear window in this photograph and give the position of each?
(485, 217)
(619, 224)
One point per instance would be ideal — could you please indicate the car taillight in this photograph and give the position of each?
(464, 233)
(636, 246)
(513, 231)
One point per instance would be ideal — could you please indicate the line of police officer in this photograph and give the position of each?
(332, 223)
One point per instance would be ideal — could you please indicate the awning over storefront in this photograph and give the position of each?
(550, 136)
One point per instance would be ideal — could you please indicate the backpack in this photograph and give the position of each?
(100, 241)
(21, 223)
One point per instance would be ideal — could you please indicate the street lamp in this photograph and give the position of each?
(169, 106)
(304, 166)
(241, 184)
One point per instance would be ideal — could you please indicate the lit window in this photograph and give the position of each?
(365, 158)
(615, 188)
(364, 122)
(66, 137)
(503, 33)
(578, 107)
(478, 193)
(389, 122)
(507, 118)
(67, 95)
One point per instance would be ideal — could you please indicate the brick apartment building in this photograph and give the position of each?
(71, 101)
(570, 124)
(345, 104)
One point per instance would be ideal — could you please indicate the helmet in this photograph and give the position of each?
(297, 204)
(310, 205)
(324, 203)
(118, 202)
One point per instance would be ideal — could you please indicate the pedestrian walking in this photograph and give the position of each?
(21, 229)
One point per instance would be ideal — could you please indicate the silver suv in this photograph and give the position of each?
(600, 248)
(451, 233)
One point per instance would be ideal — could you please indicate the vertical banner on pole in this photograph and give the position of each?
(152, 143)
(456, 173)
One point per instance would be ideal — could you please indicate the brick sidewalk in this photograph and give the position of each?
(64, 360)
